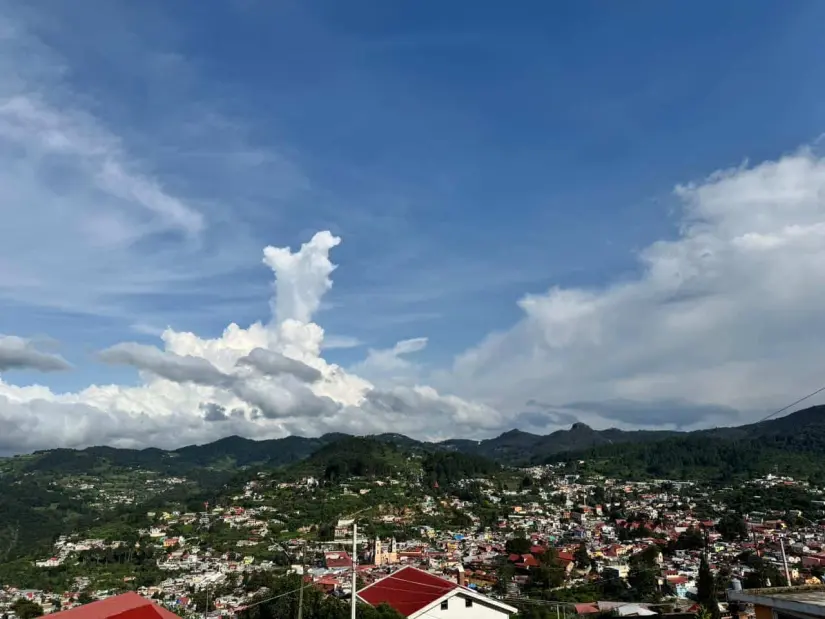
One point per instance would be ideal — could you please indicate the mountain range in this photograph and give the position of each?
(803, 430)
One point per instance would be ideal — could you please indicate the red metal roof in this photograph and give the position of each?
(150, 611)
(126, 606)
(335, 560)
(408, 590)
(586, 609)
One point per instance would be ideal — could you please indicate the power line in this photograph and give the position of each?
(792, 404)
(446, 589)
(274, 597)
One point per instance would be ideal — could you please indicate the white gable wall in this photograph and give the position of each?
(458, 609)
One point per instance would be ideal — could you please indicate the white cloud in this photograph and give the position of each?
(727, 314)
(724, 317)
(96, 213)
(271, 377)
(333, 342)
(390, 366)
(721, 319)
(272, 363)
(65, 178)
(301, 278)
(17, 353)
(164, 364)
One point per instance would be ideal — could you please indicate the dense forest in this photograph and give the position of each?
(709, 459)
(446, 468)
(32, 515)
(355, 457)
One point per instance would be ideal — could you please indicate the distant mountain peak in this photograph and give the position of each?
(580, 427)
(515, 432)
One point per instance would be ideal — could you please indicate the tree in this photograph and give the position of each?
(582, 557)
(84, 598)
(326, 532)
(706, 590)
(761, 575)
(518, 546)
(642, 578)
(732, 526)
(650, 555)
(549, 575)
(692, 539)
(200, 598)
(504, 577)
(26, 609)
(536, 611)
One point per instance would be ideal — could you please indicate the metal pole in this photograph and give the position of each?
(301, 590)
(354, 566)
(785, 561)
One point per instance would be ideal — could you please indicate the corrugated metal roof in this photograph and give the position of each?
(126, 606)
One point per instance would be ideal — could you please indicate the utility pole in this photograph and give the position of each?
(354, 567)
(301, 590)
(785, 561)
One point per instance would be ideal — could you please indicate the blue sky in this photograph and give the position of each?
(468, 154)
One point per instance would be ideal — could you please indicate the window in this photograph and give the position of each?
(444, 605)
(468, 603)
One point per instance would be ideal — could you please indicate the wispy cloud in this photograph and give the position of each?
(334, 342)
(90, 221)
(17, 353)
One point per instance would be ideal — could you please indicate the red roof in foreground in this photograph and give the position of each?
(337, 560)
(125, 606)
(587, 609)
(408, 590)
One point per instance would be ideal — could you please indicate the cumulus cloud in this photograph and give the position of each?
(270, 376)
(168, 365)
(17, 353)
(274, 364)
(719, 325)
(390, 365)
(213, 412)
(302, 278)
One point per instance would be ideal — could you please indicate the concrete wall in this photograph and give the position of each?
(457, 609)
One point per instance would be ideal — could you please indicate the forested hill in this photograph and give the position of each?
(643, 452)
(792, 445)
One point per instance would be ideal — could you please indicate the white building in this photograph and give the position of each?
(418, 594)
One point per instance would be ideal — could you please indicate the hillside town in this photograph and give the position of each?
(586, 546)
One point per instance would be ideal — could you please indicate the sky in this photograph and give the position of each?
(273, 218)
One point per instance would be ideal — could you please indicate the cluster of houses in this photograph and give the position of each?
(563, 514)
(109, 493)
